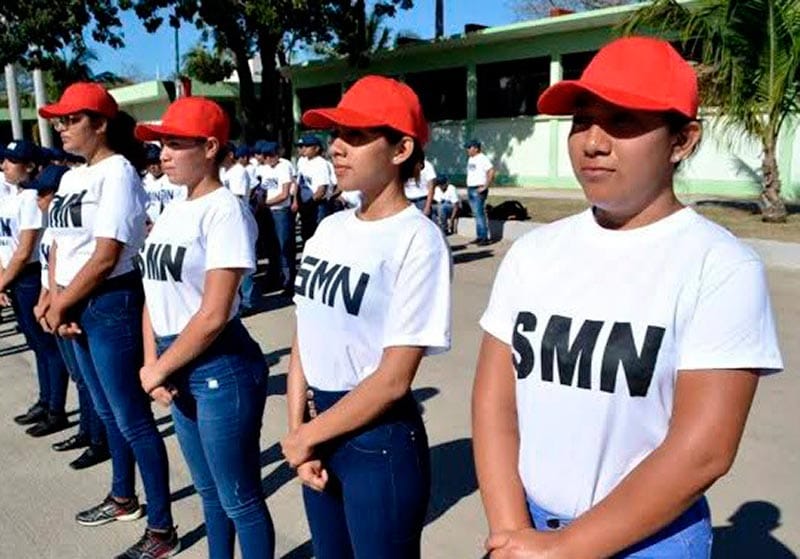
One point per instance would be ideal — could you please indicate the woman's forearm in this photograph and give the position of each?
(372, 397)
(20, 258)
(296, 387)
(201, 330)
(495, 439)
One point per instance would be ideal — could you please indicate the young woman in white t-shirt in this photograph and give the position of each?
(97, 219)
(21, 224)
(198, 355)
(373, 298)
(622, 346)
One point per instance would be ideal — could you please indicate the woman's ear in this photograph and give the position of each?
(686, 141)
(403, 150)
(212, 148)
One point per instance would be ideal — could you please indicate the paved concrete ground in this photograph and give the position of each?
(756, 508)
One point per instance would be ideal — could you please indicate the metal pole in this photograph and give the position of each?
(439, 19)
(13, 102)
(45, 133)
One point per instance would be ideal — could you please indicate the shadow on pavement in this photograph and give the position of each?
(749, 534)
(452, 476)
(423, 394)
(276, 385)
(13, 350)
(472, 256)
(302, 551)
(192, 537)
(273, 357)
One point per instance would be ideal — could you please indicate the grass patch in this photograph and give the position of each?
(738, 216)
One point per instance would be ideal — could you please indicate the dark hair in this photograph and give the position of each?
(407, 167)
(120, 138)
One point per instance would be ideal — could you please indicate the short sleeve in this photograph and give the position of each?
(732, 326)
(230, 238)
(428, 174)
(284, 174)
(120, 211)
(30, 216)
(320, 174)
(486, 163)
(499, 317)
(420, 306)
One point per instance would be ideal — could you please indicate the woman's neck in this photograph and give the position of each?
(97, 155)
(207, 184)
(387, 202)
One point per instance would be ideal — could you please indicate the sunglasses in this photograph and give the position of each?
(66, 121)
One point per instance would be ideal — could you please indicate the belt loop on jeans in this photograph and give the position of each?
(312, 407)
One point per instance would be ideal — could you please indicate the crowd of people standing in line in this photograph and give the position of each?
(137, 288)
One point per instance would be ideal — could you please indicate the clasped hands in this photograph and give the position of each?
(299, 454)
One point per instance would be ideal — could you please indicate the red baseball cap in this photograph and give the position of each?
(641, 73)
(189, 117)
(373, 102)
(82, 96)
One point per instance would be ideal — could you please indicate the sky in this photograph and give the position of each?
(148, 56)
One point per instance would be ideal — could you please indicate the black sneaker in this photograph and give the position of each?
(154, 545)
(74, 442)
(36, 413)
(91, 456)
(52, 423)
(109, 511)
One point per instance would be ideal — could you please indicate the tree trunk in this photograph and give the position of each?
(273, 96)
(773, 209)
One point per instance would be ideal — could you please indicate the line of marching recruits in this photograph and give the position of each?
(604, 404)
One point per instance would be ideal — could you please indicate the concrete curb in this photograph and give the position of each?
(775, 254)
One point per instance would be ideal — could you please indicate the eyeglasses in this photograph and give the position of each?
(66, 121)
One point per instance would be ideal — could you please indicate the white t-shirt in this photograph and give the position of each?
(449, 194)
(252, 173)
(600, 322)
(193, 236)
(45, 242)
(102, 200)
(160, 192)
(419, 189)
(237, 179)
(311, 174)
(274, 180)
(477, 167)
(363, 286)
(18, 212)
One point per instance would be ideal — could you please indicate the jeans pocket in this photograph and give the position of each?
(373, 441)
(115, 306)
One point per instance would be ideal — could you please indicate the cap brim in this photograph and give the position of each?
(154, 132)
(328, 118)
(561, 98)
(64, 109)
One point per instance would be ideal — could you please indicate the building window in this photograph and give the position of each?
(509, 89)
(321, 96)
(443, 93)
(574, 63)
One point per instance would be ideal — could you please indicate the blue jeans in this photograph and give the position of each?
(477, 202)
(109, 356)
(217, 415)
(282, 254)
(89, 424)
(687, 537)
(378, 488)
(248, 291)
(50, 370)
(443, 211)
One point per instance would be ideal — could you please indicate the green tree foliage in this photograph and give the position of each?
(749, 70)
(208, 66)
(270, 28)
(65, 68)
(32, 31)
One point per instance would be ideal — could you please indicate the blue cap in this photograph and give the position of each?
(308, 140)
(241, 151)
(48, 179)
(22, 150)
(441, 179)
(268, 148)
(472, 144)
(152, 153)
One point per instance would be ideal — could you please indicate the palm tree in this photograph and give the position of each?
(749, 69)
(64, 69)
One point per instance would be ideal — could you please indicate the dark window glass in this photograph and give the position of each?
(321, 96)
(574, 63)
(508, 89)
(443, 93)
